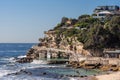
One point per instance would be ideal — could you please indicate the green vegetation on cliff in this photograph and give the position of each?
(92, 32)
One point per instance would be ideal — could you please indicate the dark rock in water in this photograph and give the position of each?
(25, 60)
(29, 73)
(70, 75)
(81, 76)
(44, 73)
(85, 76)
(61, 76)
(16, 73)
(75, 76)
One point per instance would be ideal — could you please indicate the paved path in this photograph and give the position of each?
(53, 49)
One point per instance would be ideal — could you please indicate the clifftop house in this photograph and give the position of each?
(103, 11)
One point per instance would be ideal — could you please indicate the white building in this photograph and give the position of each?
(103, 11)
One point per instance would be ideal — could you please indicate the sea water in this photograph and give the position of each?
(37, 70)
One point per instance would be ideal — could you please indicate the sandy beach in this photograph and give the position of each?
(113, 76)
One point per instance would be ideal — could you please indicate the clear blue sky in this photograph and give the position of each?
(26, 20)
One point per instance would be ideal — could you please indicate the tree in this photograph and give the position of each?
(64, 20)
(83, 16)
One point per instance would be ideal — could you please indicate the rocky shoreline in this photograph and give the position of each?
(70, 43)
(74, 56)
(68, 50)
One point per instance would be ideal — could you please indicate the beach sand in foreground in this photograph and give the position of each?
(112, 76)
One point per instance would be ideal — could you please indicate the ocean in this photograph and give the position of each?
(37, 70)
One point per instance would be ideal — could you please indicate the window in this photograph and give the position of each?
(102, 14)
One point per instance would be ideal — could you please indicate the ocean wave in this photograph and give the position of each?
(21, 56)
(26, 77)
(9, 59)
(4, 72)
(13, 72)
(14, 51)
(39, 62)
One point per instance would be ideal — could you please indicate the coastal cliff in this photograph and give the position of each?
(72, 38)
(56, 47)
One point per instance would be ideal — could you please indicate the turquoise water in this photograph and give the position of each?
(73, 72)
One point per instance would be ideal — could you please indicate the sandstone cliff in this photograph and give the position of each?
(72, 35)
(80, 42)
(55, 46)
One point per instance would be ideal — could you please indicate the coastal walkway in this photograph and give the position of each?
(53, 49)
(73, 55)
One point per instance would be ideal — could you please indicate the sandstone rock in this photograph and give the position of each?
(58, 46)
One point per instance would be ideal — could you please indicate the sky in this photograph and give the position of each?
(24, 21)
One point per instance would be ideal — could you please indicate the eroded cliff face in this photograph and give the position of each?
(61, 42)
(56, 46)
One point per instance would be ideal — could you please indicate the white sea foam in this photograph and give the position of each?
(5, 72)
(11, 59)
(8, 69)
(39, 62)
(22, 56)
